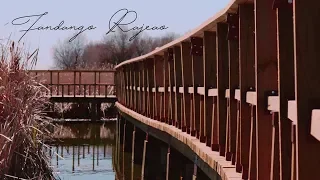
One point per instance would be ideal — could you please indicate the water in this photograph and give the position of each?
(92, 150)
(85, 151)
(83, 162)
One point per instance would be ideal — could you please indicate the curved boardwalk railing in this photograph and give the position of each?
(245, 83)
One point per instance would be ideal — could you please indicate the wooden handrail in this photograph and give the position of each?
(212, 22)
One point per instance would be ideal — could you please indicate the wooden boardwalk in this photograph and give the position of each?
(77, 86)
(245, 84)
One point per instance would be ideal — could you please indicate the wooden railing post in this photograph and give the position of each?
(178, 84)
(74, 84)
(233, 84)
(307, 87)
(166, 86)
(83, 90)
(140, 88)
(95, 84)
(285, 85)
(150, 82)
(50, 83)
(130, 85)
(145, 85)
(158, 81)
(170, 87)
(210, 80)
(222, 83)
(246, 81)
(266, 72)
(197, 81)
(126, 72)
(186, 63)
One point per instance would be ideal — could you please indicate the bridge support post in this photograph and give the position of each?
(138, 146)
(168, 164)
(129, 128)
(99, 111)
(154, 161)
(132, 155)
(275, 155)
(93, 111)
(144, 157)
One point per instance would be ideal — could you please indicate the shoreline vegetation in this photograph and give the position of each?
(23, 126)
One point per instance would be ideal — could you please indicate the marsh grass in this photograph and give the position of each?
(23, 126)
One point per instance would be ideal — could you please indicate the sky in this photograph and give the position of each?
(179, 16)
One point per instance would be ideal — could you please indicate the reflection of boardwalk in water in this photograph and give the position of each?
(82, 160)
(85, 130)
(83, 150)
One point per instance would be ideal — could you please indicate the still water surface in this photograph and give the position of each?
(85, 151)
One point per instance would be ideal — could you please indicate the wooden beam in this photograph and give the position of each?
(136, 84)
(140, 64)
(266, 72)
(246, 81)
(285, 86)
(150, 77)
(165, 87)
(197, 80)
(145, 85)
(210, 80)
(222, 83)
(233, 84)
(178, 82)
(158, 83)
(171, 84)
(307, 87)
(186, 63)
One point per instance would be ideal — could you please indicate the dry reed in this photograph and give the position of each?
(23, 126)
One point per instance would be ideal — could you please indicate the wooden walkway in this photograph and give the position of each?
(245, 84)
(77, 85)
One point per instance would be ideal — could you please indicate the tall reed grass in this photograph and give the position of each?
(22, 123)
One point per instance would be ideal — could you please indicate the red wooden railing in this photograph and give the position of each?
(246, 82)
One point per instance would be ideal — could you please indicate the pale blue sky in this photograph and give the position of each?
(180, 16)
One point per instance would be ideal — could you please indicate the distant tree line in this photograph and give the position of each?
(112, 50)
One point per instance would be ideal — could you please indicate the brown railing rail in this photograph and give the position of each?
(77, 83)
(246, 83)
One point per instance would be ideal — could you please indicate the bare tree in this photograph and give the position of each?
(69, 55)
(115, 48)
(119, 48)
(95, 55)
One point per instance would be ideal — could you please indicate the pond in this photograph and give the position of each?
(87, 150)
(97, 150)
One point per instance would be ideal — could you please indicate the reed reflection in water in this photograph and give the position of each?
(83, 150)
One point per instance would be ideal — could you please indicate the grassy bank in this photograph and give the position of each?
(22, 125)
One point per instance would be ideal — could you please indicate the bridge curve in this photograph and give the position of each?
(244, 84)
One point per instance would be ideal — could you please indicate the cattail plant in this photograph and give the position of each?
(23, 126)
